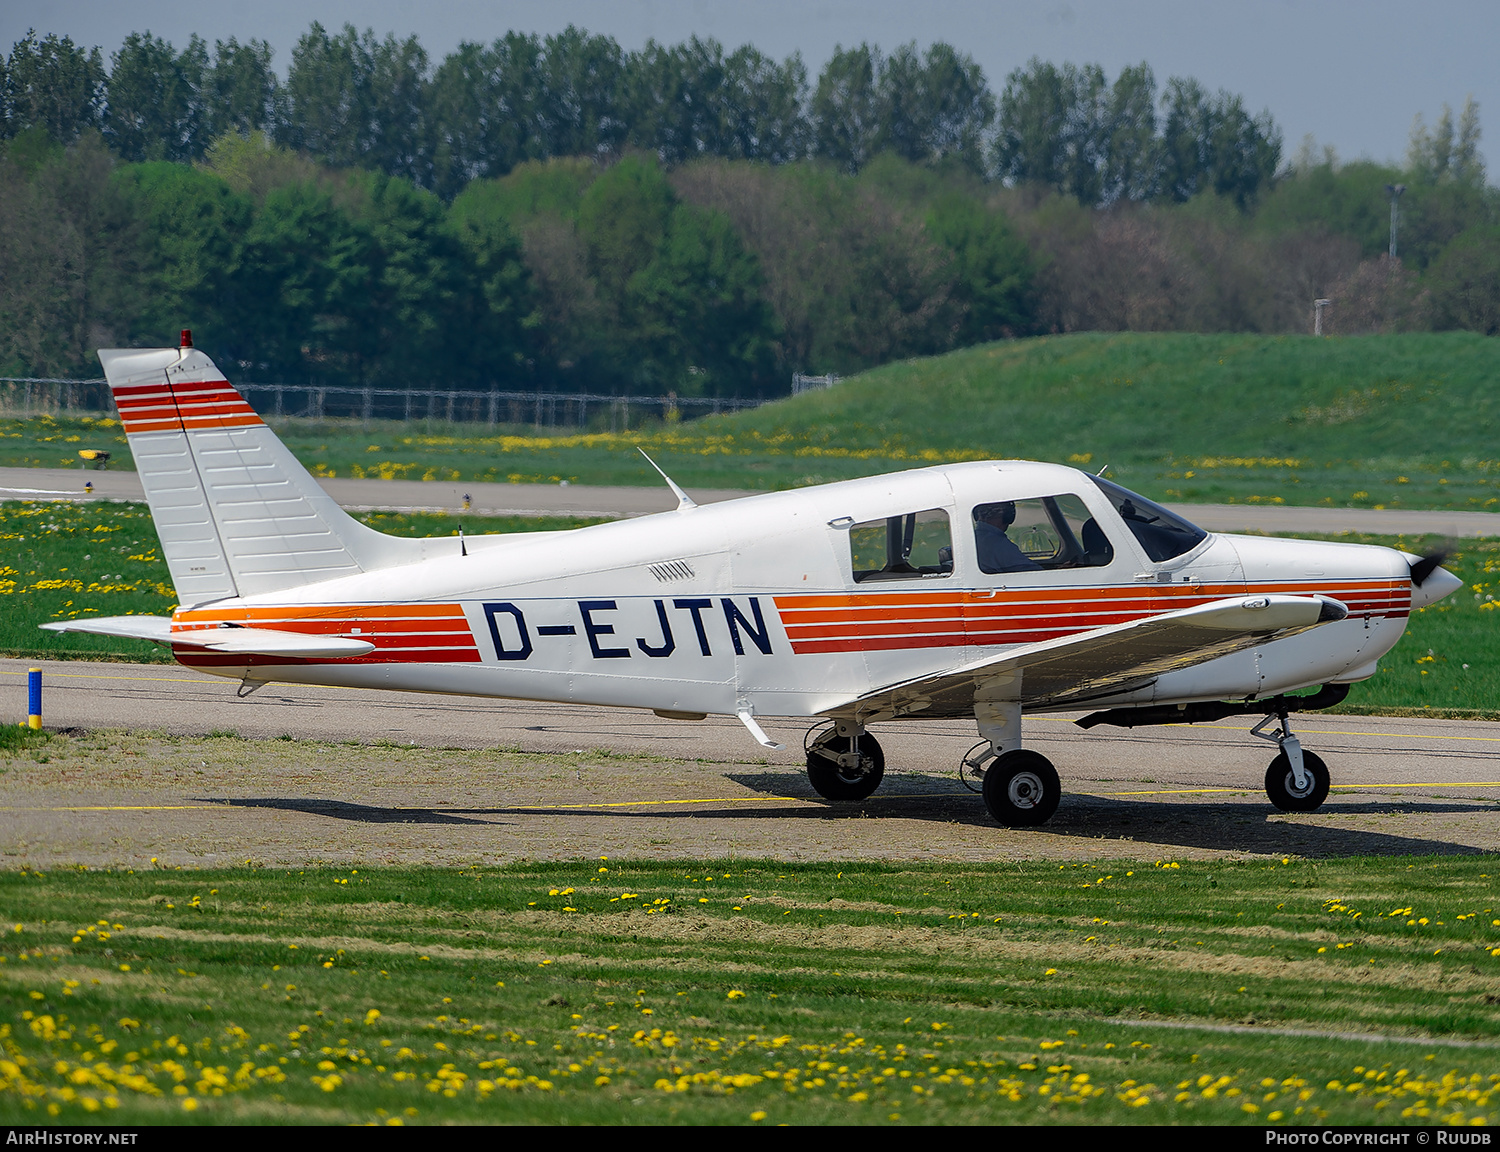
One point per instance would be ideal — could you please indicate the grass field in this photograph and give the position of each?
(64, 561)
(715, 992)
(1379, 421)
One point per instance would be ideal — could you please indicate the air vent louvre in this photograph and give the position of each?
(672, 570)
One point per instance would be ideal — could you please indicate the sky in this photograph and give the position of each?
(1353, 75)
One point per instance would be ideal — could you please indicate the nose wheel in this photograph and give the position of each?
(844, 765)
(1286, 794)
(1296, 781)
(1021, 788)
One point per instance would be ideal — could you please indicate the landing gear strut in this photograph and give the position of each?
(844, 762)
(1296, 781)
(1020, 787)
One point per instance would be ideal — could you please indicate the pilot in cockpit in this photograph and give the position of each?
(997, 552)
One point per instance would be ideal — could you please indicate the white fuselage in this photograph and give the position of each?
(753, 603)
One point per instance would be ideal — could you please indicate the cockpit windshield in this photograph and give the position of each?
(1162, 534)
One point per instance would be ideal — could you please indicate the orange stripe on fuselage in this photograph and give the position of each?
(877, 622)
(401, 633)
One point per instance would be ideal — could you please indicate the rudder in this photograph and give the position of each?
(236, 512)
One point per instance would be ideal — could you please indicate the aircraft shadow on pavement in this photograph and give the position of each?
(1234, 826)
(342, 810)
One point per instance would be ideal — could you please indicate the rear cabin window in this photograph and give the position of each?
(1038, 535)
(912, 546)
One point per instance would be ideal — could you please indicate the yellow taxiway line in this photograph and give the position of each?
(737, 799)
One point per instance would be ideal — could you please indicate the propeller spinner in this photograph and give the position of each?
(1430, 581)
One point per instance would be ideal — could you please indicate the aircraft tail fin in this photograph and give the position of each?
(236, 512)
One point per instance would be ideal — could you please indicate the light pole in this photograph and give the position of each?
(1318, 306)
(1395, 190)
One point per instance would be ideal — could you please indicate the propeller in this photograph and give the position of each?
(1425, 567)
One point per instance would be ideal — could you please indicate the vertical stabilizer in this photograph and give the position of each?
(236, 513)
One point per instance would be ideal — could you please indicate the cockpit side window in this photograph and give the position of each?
(1038, 535)
(911, 546)
(1162, 534)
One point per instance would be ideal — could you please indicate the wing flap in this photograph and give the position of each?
(1105, 660)
(237, 641)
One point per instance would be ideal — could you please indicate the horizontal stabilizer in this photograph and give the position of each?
(236, 641)
(1106, 660)
(156, 628)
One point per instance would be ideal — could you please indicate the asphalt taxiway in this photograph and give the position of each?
(371, 775)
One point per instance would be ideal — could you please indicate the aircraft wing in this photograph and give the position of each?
(239, 641)
(1103, 661)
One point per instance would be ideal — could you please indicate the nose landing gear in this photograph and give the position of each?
(1296, 781)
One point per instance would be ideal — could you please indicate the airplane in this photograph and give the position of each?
(985, 590)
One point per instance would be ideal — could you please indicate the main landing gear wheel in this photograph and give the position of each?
(1281, 783)
(1021, 789)
(850, 780)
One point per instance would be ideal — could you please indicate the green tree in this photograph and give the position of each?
(241, 91)
(1055, 129)
(623, 216)
(675, 97)
(991, 266)
(1335, 200)
(1434, 156)
(253, 166)
(934, 108)
(763, 103)
(309, 274)
(846, 109)
(582, 108)
(1465, 281)
(400, 136)
(53, 84)
(497, 325)
(68, 243)
(329, 98)
(1132, 156)
(485, 106)
(157, 109)
(681, 294)
(1211, 144)
(191, 230)
(702, 323)
(539, 201)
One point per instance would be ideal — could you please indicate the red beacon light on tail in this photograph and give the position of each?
(187, 338)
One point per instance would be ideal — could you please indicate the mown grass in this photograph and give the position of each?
(1376, 421)
(715, 992)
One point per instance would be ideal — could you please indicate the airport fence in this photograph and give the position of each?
(30, 396)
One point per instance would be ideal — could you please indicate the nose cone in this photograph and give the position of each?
(1438, 583)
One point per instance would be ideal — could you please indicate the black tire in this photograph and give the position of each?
(1282, 790)
(834, 783)
(1021, 789)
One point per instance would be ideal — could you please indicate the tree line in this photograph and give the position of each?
(601, 223)
(350, 99)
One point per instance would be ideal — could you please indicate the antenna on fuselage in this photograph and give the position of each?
(1102, 471)
(463, 549)
(684, 501)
